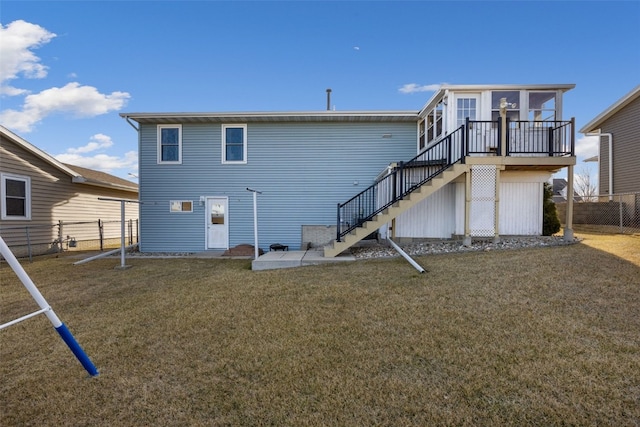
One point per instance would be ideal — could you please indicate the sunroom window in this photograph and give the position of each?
(513, 104)
(542, 106)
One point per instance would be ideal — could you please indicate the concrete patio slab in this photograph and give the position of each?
(289, 259)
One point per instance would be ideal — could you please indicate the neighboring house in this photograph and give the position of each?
(619, 130)
(559, 188)
(332, 175)
(38, 192)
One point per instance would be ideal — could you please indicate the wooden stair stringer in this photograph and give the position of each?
(392, 212)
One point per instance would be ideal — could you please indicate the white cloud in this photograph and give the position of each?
(102, 162)
(17, 40)
(80, 101)
(98, 141)
(587, 146)
(415, 88)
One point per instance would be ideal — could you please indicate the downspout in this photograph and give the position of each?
(131, 124)
(406, 256)
(610, 136)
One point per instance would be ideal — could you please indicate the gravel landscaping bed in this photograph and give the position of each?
(382, 250)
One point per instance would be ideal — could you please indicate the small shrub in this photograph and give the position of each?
(550, 220)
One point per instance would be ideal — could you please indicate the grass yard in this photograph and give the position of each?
(547, 336)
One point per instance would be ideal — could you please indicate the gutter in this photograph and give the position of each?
(610, 136)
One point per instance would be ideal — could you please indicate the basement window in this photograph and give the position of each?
(181, 206)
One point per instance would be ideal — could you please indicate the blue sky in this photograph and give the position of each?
(67, 68)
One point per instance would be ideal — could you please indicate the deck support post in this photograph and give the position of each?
(467, 209)
(496, 213)
(503, 126)
(568, 229)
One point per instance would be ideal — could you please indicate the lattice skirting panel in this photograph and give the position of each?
(483, 198)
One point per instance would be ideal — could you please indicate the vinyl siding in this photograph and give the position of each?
(521, 203)
(303, 170)
(431, 218)
(441, 215)
(625, 127)
(55, 198)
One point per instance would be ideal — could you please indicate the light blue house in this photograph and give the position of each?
(483, 154)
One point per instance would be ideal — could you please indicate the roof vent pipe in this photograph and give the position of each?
(328, 99)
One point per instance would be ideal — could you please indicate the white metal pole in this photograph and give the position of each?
(255, 223)
(45, 308)
(122, 239)
(255, 220)
(28, 283)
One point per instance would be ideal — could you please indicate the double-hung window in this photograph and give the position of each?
(170, 144)
(16, 197)
(234, 144)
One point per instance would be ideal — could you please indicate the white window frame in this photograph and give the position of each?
(180, 203)
(224, 145)
(159, 137)
(27, 196)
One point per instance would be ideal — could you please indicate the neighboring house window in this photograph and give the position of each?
(169, 144)
(234, 143)
(181, 206)
(16, 197)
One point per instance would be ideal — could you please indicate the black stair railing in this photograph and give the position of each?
(402, 180)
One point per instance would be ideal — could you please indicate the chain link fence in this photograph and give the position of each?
(617, 213)
(31, 240)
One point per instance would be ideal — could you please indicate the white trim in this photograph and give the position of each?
(27, 196)
(159, 144)
(224, 127)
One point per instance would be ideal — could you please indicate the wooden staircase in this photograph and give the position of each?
(384, 217)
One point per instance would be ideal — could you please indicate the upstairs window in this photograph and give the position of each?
(170, 144)
(234, 144)
(16, 197)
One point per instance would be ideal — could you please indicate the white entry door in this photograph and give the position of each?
(468, 106)
(217, 223)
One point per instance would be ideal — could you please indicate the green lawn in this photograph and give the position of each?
(547, 336)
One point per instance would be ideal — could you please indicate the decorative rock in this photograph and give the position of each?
(452, 246)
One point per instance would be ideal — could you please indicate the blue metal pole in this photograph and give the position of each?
(75, 348)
